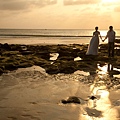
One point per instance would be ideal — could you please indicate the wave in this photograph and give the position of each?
(65, 36)
(17, 35)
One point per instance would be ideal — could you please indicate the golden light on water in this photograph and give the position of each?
(54, 56)
(100, 108)
(103, 70)
(106, 70)
(103, 32)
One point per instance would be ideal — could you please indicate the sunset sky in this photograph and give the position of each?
(60, 14)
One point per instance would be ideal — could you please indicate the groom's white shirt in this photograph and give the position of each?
(111, 36)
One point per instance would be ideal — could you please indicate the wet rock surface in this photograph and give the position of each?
(13, 56)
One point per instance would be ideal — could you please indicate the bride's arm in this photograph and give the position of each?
(106, 37)
(100, 35)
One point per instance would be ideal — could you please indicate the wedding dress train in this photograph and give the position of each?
(93, 46)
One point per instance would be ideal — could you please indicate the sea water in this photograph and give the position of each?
(49, 36)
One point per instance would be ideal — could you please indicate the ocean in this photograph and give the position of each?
(49, 36)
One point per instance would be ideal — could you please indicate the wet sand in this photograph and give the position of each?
(32, 94)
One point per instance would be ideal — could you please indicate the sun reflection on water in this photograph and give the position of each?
(108, 69)
(103, 33)
(77, 59)
(102, 70)
(101, 107)
(54, 56)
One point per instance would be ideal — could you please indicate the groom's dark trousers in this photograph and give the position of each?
(111, 49)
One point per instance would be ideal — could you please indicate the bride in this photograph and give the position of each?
(94, 43)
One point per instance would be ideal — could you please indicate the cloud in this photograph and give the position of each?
(23, 4)
(78, 2)
(42, 3)
(13, 5)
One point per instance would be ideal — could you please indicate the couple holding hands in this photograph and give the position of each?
(94, 42)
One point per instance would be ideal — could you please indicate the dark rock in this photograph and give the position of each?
(52, 69)
(117, 40)
(17, 56)
(6, 46)
(67, 69)
(24, 65)
(65, 66)
(43, 54)
(66, 58)
(15, 47)
(10, 53)
(9, 66)
(93, 97)
(1, 71)
(26, 52)
(72, 99)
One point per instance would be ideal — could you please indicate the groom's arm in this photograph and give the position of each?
(106, 37)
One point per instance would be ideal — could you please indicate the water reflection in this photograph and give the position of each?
(54, 56)
(113, 72)
(102, 70)
(93, 70)
(100, 106)
(108, 69)
(77, 59)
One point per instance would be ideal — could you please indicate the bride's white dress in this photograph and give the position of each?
(93, 46)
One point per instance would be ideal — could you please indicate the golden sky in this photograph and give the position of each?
(52, 14)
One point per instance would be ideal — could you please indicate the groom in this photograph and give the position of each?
(111, 39)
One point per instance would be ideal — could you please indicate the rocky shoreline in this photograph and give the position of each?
(70, 58)
(67, 81)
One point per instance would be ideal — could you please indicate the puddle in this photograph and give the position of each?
(108, 69)
(102, 70)
(54, 56)
(104, 103)
(117, 48)
(116, 75)
(77, 59)
(101, 107)
(74, 48)
(105, 70)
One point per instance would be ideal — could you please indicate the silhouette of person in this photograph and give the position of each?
(94, 43)
(111, 39)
